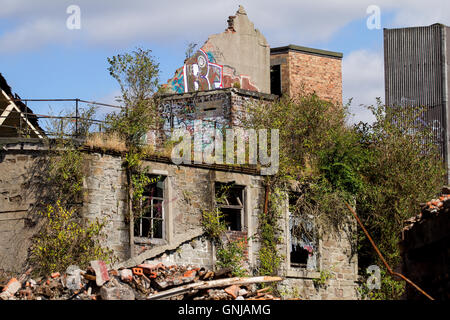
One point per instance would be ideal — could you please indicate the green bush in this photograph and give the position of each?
(64, 240)
(212, 224)
(231, 256)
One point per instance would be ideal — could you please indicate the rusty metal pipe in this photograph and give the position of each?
(382, 258)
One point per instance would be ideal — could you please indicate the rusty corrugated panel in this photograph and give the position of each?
(415, 75)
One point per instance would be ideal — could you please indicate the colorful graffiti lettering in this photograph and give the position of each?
(202, 73)
(177, 82)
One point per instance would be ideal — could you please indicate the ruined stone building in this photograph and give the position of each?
(215, 83)
(425, 249)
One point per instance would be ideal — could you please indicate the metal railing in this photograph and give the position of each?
(73, 124)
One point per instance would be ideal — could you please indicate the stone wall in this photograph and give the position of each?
(311, 70)
(337, 262)
(17, 205)
(189, 189)
(105, 197)
(198, 252)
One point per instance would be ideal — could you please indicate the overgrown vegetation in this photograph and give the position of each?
(65, 240)
(324, 276)
(138, 76)
(229, 254)
(269, 254)
(390, 288)
(384, 169)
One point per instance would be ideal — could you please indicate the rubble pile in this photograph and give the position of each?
(143, 282)
(430, 209)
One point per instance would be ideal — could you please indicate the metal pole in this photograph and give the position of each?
(76, 117)
(382, 258)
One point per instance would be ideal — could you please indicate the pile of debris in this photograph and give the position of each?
(143, 282)
(430, 209)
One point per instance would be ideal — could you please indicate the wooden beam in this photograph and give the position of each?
(6, 113)
(211, 284)
(11, 106)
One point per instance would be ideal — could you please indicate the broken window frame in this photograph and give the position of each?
(308, 222)
(155, 202)
(239, 207)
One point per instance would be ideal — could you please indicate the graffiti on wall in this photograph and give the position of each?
(202, 73)
(177, 82)
(199, 73)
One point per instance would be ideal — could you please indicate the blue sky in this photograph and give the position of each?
(41, 58)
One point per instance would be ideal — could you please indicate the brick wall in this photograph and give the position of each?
(310, 72)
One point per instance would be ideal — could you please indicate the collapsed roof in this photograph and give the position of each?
(16, 118)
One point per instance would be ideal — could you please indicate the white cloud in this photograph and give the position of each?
(422, 13)
(121, 22)
(31, 35)
(363, 80)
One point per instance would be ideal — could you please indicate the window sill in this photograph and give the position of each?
(138, 240)
(301, 273)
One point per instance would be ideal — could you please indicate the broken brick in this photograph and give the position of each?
(126, 275)
(120, 292)
(101, 272)
(233, 290)
(12, 286)
(138, 271)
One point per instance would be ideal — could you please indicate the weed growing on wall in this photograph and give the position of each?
(213, 225)
(229, 254)
(269, 229)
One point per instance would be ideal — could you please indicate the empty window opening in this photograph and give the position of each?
(275, 80)
(150, 222)
(299, 256)
(230, 201)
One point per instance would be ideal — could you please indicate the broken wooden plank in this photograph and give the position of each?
(212, 284)
(264, 289)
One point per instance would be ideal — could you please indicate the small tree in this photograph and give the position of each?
(404, 170)
(138, 76)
